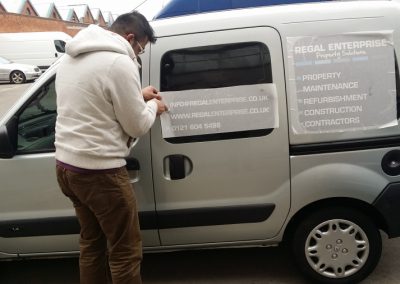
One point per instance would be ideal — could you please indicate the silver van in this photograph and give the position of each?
(283, 126)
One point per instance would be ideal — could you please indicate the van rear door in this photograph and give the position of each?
(222, 174)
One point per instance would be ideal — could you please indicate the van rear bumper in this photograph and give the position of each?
(388, 204)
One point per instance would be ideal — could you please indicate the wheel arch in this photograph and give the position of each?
(15, 70)
(364, 207)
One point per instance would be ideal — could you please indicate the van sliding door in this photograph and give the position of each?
(220, 156)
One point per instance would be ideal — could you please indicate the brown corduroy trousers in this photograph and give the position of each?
(110, 238)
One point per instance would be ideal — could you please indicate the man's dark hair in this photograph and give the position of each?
(134, 23)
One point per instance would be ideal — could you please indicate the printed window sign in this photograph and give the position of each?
(219, 110)
(342, 82)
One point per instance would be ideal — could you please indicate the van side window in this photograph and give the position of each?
(60, 45)
(216, 66)
(36, 122)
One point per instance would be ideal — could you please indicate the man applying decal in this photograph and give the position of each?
(100, 106)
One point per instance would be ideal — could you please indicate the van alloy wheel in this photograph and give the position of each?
(17, 77)
(337, 245)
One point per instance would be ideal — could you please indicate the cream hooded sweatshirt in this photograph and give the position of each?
(99, 101)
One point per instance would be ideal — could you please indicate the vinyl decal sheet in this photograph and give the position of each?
(220, 110)
(342, 82)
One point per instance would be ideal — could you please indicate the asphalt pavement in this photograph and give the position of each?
(222, 266)
(9, 93)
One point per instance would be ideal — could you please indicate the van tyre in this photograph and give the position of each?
(17, 77)
(337, 245)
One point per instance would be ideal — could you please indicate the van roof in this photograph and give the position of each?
(186, 7)
(274, 16)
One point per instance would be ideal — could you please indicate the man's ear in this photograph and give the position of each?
(129, 37)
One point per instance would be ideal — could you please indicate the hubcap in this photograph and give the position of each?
(337, 248)
(17, 78)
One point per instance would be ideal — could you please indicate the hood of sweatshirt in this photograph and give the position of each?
(94, 38)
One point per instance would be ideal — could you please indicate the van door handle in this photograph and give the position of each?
(133, 168)
(132, 164)
(56, 54)
(177, 167)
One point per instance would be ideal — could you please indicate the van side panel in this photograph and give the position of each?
(35, 48)
(367, 25)
(354, 174)
(352, 169)
(41, 53)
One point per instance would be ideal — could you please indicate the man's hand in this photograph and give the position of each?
(161, 107)
(150, 93)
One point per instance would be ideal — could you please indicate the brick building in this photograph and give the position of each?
(84, 13)
(68, 14)
(22, 7)
(98, 17)
(28, 16)
(48, 10)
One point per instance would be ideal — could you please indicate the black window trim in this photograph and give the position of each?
(22, 109)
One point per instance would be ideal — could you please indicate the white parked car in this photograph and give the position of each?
(17, 73)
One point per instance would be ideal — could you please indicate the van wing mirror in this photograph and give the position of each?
(8, 139)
